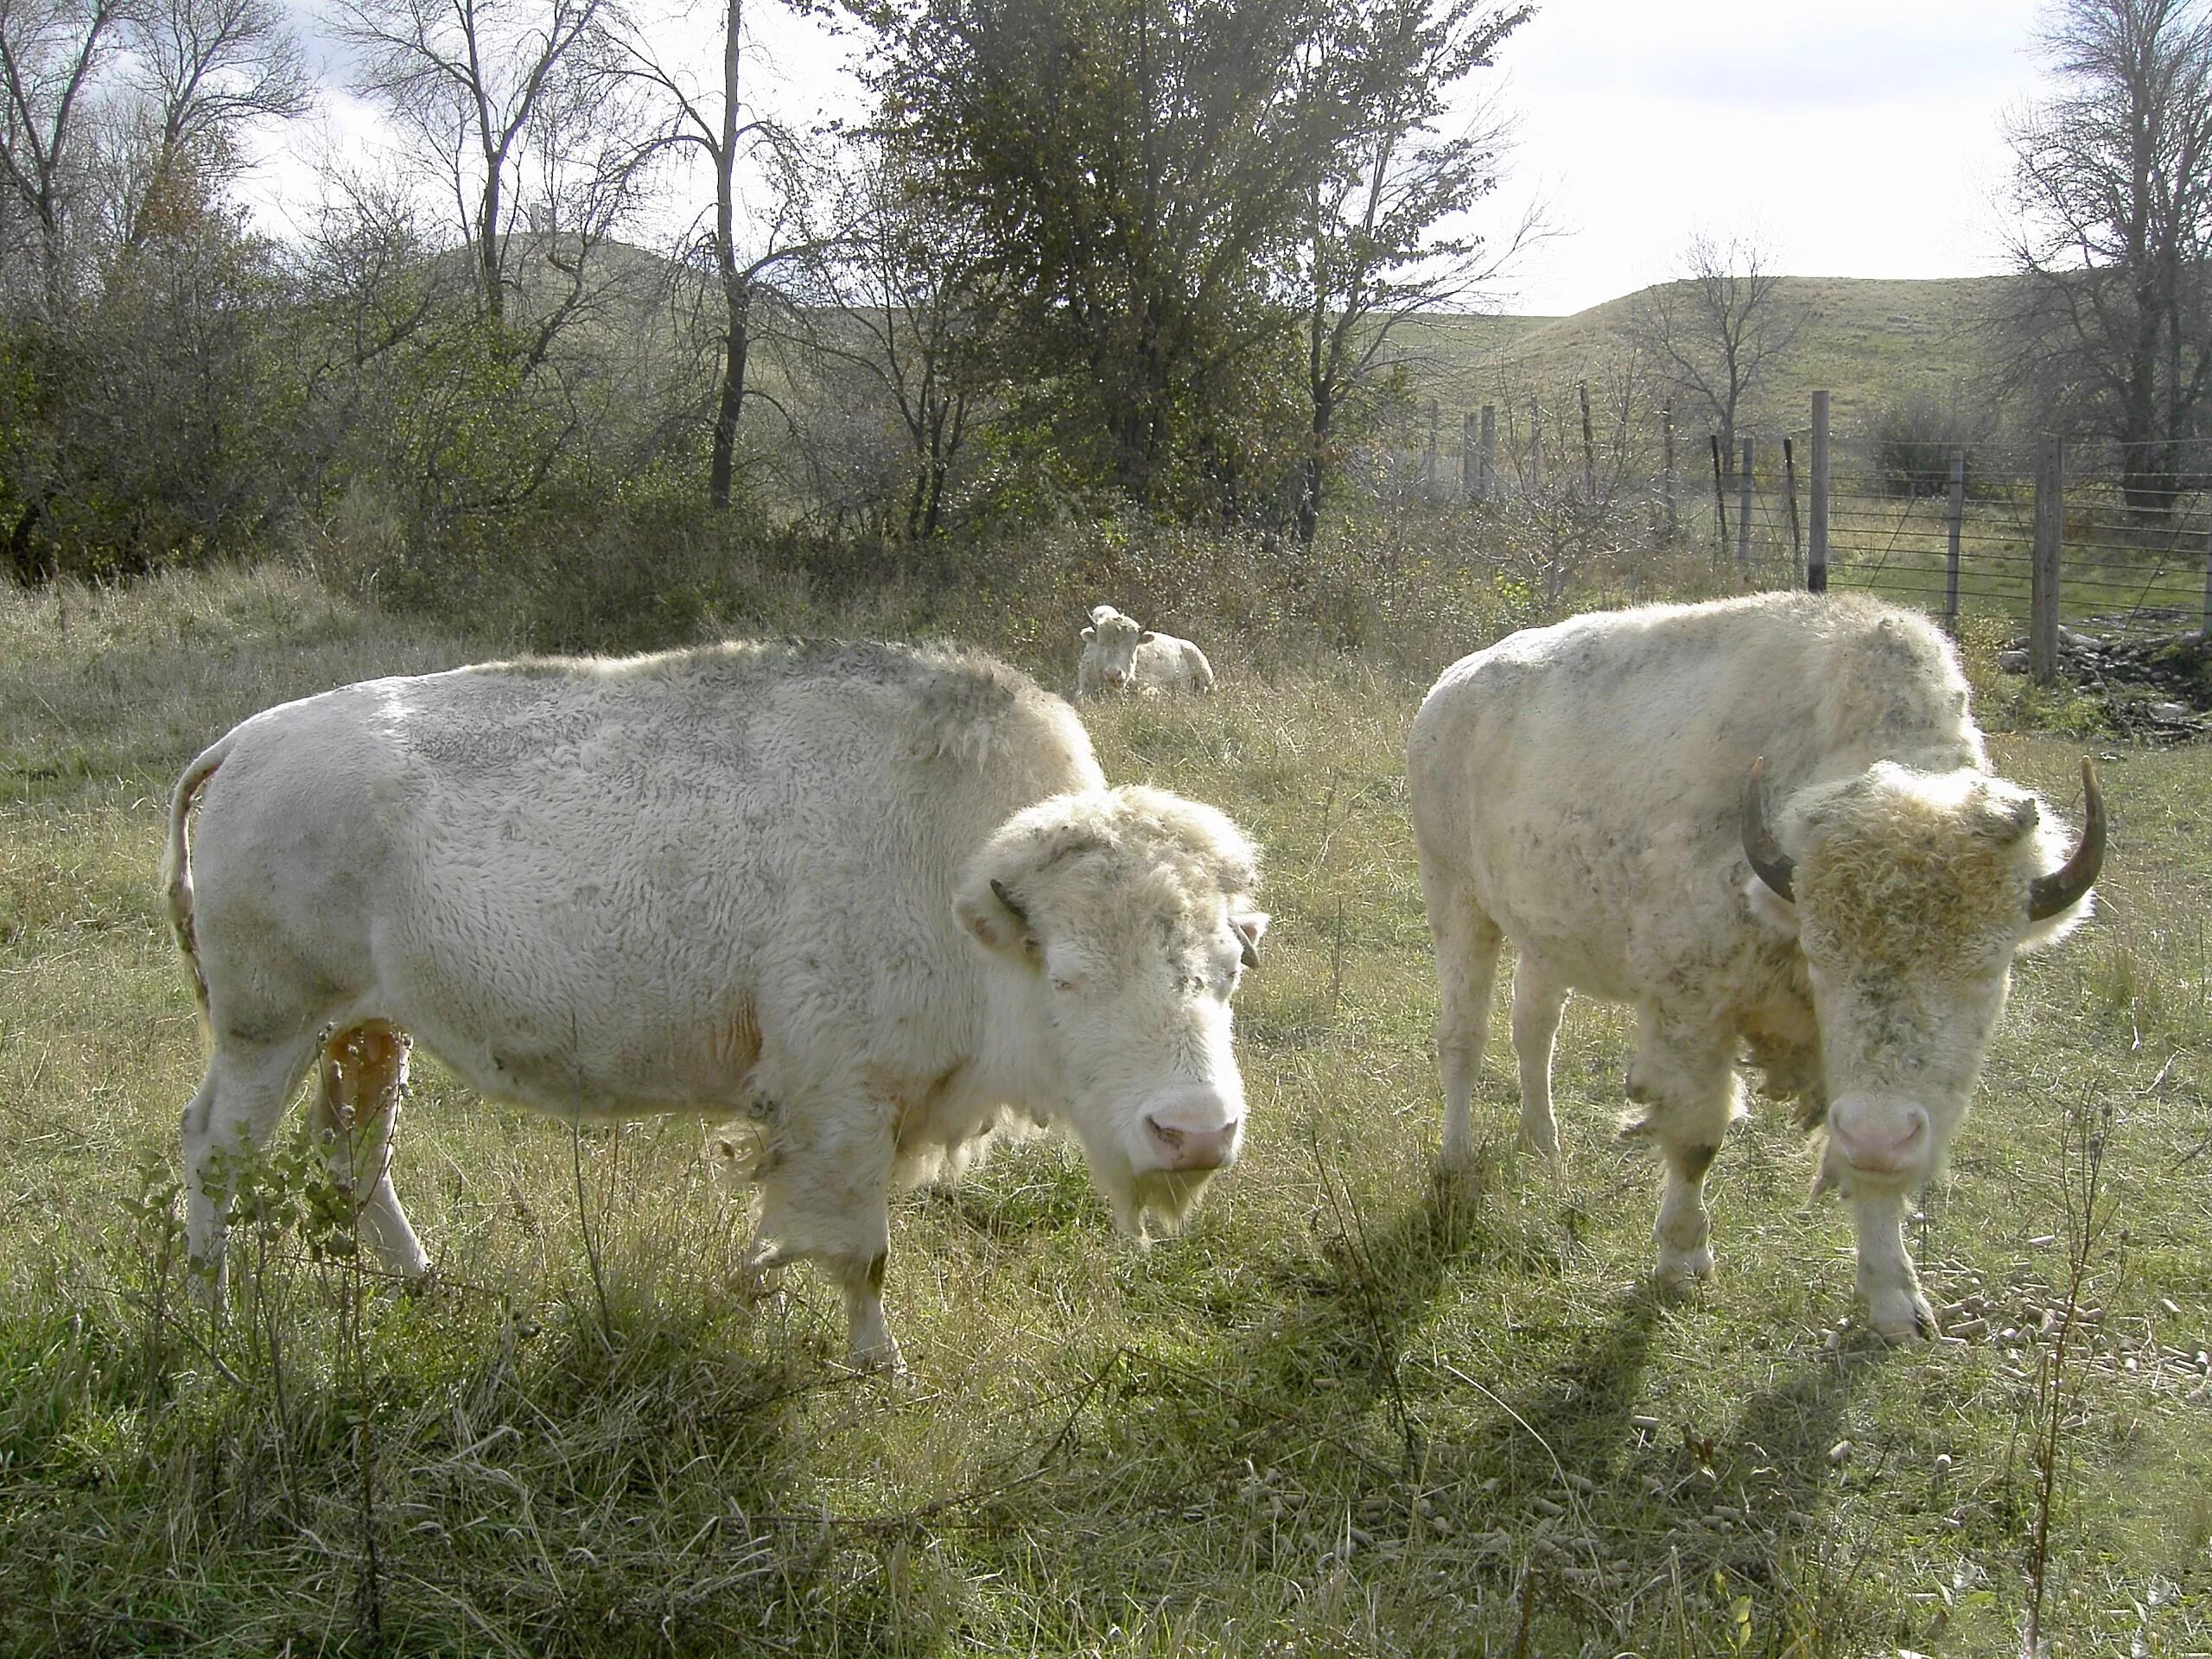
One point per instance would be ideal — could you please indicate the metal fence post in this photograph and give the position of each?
(1667, 475)
(1536, 445)
(1744, 517)
(1957, 521)
(1469, 462)
(1428, 457)
(1490, 452)
(1817, 544)
(2044, 574)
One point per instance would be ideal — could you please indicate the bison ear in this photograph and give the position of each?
(989, 912)
(1146, 636)
(1089, 633)
(1251, 930)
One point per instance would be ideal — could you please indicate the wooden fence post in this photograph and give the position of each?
(1957, 517)
(1490, 452)
(1796, 540)
(1589, 444)
(1667, 473)
(1719, 501)
(1816, 541)
(1470, 458)
(1744, 519)
(2204, 623)
(1536, 445)
(2043, 574)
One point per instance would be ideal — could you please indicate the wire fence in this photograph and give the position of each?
(1950, 529)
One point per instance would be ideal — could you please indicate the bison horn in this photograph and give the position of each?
(1247, 952)
(1775, 866)
(1006, 898)
(2063, 888)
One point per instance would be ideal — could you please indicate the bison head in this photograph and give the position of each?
(1909, 894)
(1126, 918)
(1114, 639)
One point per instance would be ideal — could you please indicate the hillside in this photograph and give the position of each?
(1869, 341)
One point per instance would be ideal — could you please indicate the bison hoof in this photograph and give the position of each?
(879, 1359)
(1904, 1321)
(1681, 1276)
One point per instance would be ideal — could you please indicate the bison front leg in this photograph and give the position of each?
(1895, 1305)
(1684, 1080)
(825, 1189)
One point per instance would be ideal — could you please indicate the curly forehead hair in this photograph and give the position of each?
(1184, 850)
(1904, 868)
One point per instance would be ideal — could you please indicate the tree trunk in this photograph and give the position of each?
(722, 465)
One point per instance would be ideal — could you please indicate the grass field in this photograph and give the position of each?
(1352, 1410)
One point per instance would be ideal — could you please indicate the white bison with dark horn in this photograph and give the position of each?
(1769, 824)
(875, 903)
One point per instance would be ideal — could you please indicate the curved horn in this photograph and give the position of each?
(1006, 898)
(1775, 866)
(2063, 888)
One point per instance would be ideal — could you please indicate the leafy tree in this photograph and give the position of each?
(1136, 168)
(2113, 185)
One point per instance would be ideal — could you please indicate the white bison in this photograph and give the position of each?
(1769, 823)
(1119, 655)
(876, 901)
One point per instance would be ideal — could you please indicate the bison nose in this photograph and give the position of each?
(1881, 1137)
(1186, 1148)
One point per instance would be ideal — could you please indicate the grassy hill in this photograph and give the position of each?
(1869, 341)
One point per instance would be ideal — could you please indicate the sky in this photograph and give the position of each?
(1848, 138)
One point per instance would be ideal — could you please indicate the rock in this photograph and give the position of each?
(2012, 661)
(2174, 713)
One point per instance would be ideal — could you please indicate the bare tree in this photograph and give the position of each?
(905, 300)
(719, 127)
(492, 91)
(2112, 330)
(203, 70)
(1719, 330)
(1372, 253)
(50, 53)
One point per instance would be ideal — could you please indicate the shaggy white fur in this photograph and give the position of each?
(1578, 790)
(719, 882)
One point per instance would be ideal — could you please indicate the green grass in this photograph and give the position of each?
(1352, 1410)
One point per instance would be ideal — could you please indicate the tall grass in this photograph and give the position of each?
(1354, 1410)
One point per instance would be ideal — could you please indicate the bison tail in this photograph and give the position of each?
(176, 865)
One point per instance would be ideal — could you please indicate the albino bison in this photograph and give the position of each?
(876, 901)
(1117, 655)
(1768, 823)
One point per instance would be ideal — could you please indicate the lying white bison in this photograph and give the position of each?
(877, 901)
(1120, 655)
(1769, 824)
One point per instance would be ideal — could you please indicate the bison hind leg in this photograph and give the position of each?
(355, 1111)
(1467, 946)
(240, 1100)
